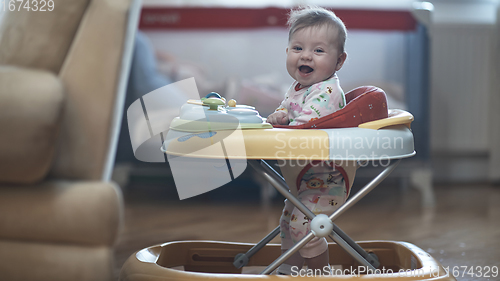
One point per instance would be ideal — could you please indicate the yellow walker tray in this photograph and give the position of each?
(220, 136)
(390, 138)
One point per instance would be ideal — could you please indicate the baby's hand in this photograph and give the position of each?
(278, 118)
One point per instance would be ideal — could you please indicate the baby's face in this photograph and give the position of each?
(313, 55)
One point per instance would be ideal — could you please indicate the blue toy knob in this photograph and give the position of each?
(213, 95)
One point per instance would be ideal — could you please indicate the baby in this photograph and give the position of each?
(315, 52)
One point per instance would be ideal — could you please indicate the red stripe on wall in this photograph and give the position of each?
(238, 18)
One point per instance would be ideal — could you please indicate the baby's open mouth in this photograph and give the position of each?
(305, 69)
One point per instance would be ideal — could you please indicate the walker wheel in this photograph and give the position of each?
(240, 260)
(321, 225)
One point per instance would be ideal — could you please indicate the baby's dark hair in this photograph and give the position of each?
(313, 16)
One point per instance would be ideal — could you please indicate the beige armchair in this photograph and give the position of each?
(63, 76)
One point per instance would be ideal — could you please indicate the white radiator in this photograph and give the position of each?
(461, 84)
(463, 73)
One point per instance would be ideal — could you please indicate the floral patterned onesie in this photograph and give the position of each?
(318, 184)
(305, 104)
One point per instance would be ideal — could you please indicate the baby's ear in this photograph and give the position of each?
(340, 61)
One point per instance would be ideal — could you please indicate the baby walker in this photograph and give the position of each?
(364, 125)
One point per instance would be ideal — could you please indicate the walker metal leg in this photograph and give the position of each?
(337, 234)
(277, 181)
(241, 260)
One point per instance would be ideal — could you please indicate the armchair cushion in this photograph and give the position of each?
(84, 213)
(54, 262)
(30, 110)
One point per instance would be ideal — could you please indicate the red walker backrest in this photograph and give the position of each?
(364, 104)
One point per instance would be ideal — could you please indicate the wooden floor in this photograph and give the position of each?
(462, 230)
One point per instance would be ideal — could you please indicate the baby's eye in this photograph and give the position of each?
(319, 51)
(297, 48)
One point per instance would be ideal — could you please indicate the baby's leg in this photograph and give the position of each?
(319, 201)
(292, 265)
(319, 262)
(327, 204)
(295, 260)
(315, 252)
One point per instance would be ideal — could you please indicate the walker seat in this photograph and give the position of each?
(364, 130)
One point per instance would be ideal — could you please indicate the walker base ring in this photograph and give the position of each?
(203, 260)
